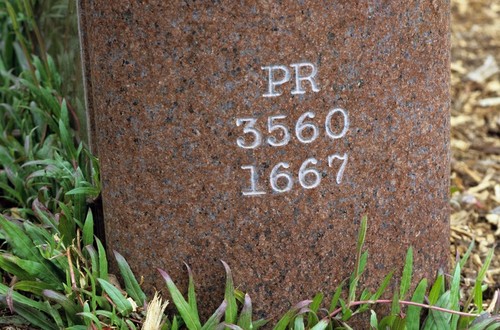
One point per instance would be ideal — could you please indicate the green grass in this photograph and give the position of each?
(55, 271)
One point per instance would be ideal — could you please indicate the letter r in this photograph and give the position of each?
(273, 83)
(298, 78)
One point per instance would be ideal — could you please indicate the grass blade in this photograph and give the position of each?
(478, 293)
(245, 319)
(92, 318)
(299, 323)
(35, 287)
(214, 320)
(314, 307)
(175, 323)
(231, 310)
(373, 320)
(69, 306)
(288, 317)
(383, 286)
(103, 261)
(438, 319)
(486, 322)
(23, 246)
(360, 260)
(12, 268)
(466, 256)
(131, 285)
(321, 325)
(17, 297)
(88, 229)
(437, 290)
(413, 312)
(407, 273)
(258, 324)
(188, 315)
(122, 304)
(191, 293)
(362, 234)
(386, 322)
(395, 308)
(455, 295)
(336, 297)
(35, 317)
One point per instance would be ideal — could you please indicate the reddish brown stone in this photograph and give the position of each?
(172, 87)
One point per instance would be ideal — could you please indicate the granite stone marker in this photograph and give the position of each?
(260, 132)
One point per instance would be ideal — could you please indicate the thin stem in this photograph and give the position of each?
(72, 276)
(403, 302)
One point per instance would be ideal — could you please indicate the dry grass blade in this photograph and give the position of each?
(154, 313)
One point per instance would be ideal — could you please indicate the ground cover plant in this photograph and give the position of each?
(55, 271)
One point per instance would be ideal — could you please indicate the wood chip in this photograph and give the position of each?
(485, 71)
(489, 102)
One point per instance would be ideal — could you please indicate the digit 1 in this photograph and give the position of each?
(254, 178)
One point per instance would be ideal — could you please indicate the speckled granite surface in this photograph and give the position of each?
(222, 128)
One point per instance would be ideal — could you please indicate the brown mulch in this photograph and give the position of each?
(475, 132)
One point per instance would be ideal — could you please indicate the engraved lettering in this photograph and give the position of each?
(299, 79)
(285, 176)
(253, 191)
(249, 128)
(272, 126)
(273, 83)
(300, 127)
(304, 171)
(279, 134)
(328, 125)
(340, 173)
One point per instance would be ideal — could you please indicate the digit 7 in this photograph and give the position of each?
(340, 173)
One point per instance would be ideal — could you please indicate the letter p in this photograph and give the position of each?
(273, 83)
